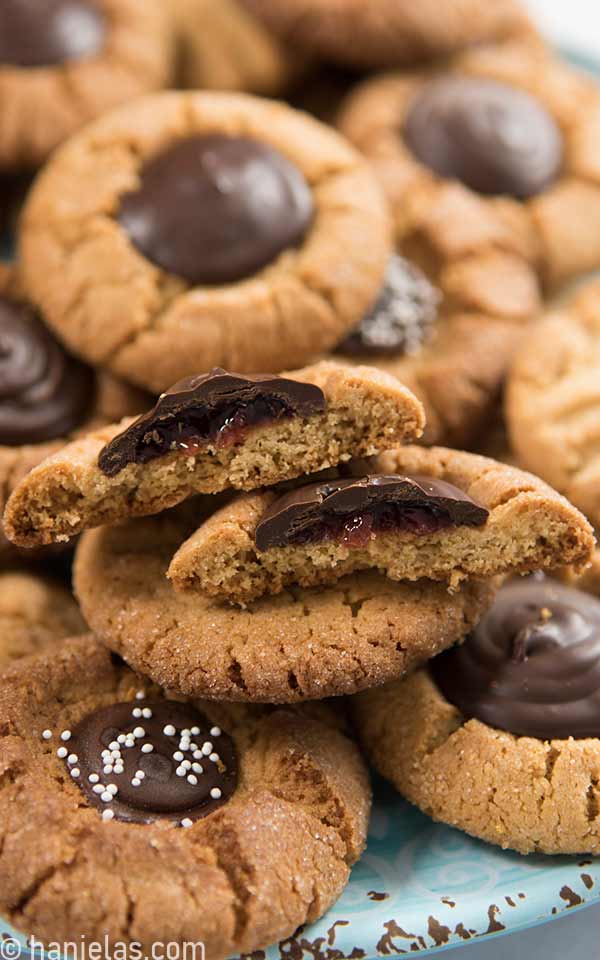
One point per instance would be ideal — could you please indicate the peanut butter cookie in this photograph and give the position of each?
(35, 613)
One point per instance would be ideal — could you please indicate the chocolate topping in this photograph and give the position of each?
(532, 666)
(44, 393)
(494, 138)
(40, 33)
(354, 510)
(189, 772)
(402, 317)
(211, 408)
(215, 209)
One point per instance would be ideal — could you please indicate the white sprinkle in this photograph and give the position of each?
(107, 815)
(207, 748)
(140, 695)
(113, 745)
(181, 771)
(108, 768)
(106, 797)
(112, 788)
(136, 782)
(187, 764)
(147, 713)
(192, 779)
(186, 734)
(119, 768)
(147, 748)
(196, 731)
(136, 712)
(185, 745)
(61, 753)
(98, 788)
(93, 778)
(47, 735)
(178, 756)
(72, 758)
(216, 793)
(106, 754)
(193, 746)
(214, 757)
(186, 823)
(169, 730)
(115, 755)
(139, 732)
(140, 774)
(215, 731)
(121, 738)
(129, 744)
(65, 735)
(197, 768)
(197, 754)
(75, 772)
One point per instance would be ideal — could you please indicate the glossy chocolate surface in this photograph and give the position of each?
(45, 33)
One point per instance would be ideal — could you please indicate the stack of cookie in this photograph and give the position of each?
(249, 545)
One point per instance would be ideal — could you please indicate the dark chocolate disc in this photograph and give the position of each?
(402, 318)
(217, 408)
(214, 209)
(41, 33)
(352, 511)
(44, 392)
(493, 137)
(532, 666)
(164, 758)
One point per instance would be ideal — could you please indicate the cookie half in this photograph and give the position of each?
(303, 644)
(35, 613)
(234, 866)
(432, 513)
(501, 738)
(211, 433)
(553, 400)
(192, 230)
(64, 63)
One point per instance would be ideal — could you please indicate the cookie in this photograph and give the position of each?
(283, 252)
(222, 46)
(508, 133)
(449, 333)
(210, 433)
(67, 63)
(501, 736)
(172, 858)
(553, 400)
(386, 33)
(35, 613)
(47, 396)
(301, 645)
(434, 514)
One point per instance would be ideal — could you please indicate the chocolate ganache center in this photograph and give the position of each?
(143, 761)
(494, 138)
(402, 318)
(44, 392)
(217, 408)
(353, 511)
(214, 209)
(532, 665)
(43, 33)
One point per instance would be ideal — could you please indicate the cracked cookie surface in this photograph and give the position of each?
(275, 856)
(115, 307)
(300, 645)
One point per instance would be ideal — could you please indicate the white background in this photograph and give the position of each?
(574, 25)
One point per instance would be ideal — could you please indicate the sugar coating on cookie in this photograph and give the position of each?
(212, 433)
(277, 850)
(488, 519)
(500, 737)
(232, 231)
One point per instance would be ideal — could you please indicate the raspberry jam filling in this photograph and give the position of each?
(357, 529)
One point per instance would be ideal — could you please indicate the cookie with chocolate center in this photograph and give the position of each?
(440, 514)
(214, 432)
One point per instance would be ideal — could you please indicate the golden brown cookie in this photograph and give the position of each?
(210, 433)
(192, 230)
(64, 63)
(553, 400)
(222, 46)
(434, 514)
(35, 613)
(301, 645)
(48, 397)
(387, 33)
(501, 737)
(509, 133)
(236, 871)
